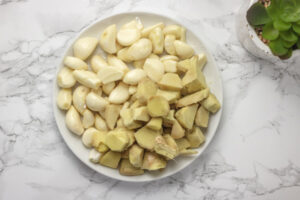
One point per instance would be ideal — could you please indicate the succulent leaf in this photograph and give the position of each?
(269, 32)
(287, 55)
(289, 36)
(290, 10)
(296, 28)
(257, 15)
(277, 47)
(287, 44)
(281, 25)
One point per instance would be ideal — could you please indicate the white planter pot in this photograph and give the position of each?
(251, 42)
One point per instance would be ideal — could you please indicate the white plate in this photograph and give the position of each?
(213, 79)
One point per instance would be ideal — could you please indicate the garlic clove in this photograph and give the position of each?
(95, 102)
(97, 63)
(134, 76)
(169, 44)
(65, 78)
(127, 37)
(154, 69)
(75, 63)
(64, 99)
(88, 118)
(140, 49)
(73, 121)
(108, 39)
(183, 50)
(146, 31)
(116, 62)
(87, 78)
(120, 94)
(84, 47)
(79, 96)
(157, 38)
(110, 74)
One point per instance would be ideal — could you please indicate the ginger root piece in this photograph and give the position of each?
(170, 81)
(202, 117)
(110, 159)
(195, 137)
(146, 89)
(162, 148)
(117, 140)
(153, 161)
(141, 114)
(102, 148)
(127, 169)
(158, 106)
(111, 114)
(177, 130)
(186, 116)
(171, 96)
(211, 103)
(194, 79)
(155, 123)
(168, 120)
(193, 98)
(127, 117)
(182, 143)
(145, 137)
(136, 154)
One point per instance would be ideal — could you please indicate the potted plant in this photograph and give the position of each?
(270, 29)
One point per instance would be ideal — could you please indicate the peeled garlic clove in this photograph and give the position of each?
(94, 156)
(120, 94)
(123, 55)
(154, 69)
(87, 78)
(132, 89)
(110, 74)
(183, 50)
(65, 78)
(88, 118)
(73, 121)
(108, 39)
(173, 30)
(157, 38)
(134, 24)
(100, 124)
(75, 63)
(169, 57)
(64, 99)
(97, 63)
(116, 62)
(87, 137)
(107, 88)
(146, 31)
(79, 97)
(170, 66)
(140, 49)
(95, 102)
(127, 37)
(84, 47)
(134, 76)
(169, 44)
(154, 56)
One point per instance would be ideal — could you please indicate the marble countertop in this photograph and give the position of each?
(254, 155)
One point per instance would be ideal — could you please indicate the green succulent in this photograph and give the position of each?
(280, 23)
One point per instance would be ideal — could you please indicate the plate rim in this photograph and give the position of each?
(71, 42)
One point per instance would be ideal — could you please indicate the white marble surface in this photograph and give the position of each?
(255, 153)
